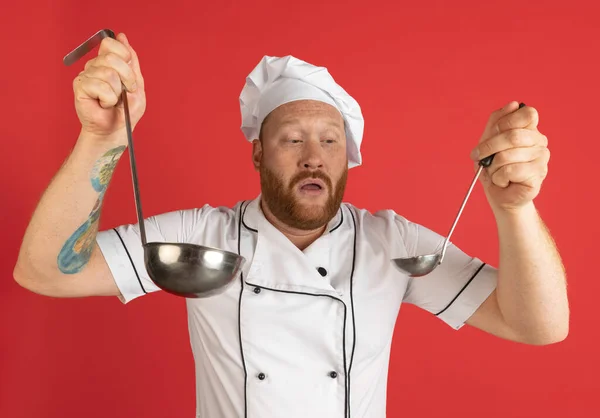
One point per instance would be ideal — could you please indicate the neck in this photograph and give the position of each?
(299, 237)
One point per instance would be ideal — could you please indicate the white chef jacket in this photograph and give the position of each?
(301, 333)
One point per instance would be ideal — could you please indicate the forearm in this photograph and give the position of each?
(62, 231)
(531, 290)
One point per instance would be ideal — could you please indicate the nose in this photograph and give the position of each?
(312, 157)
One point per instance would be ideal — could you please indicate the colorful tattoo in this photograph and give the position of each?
(103, 169)
(77, 251)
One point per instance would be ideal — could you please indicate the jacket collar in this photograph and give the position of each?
(278, 264)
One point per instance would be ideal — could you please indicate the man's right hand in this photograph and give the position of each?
(97, 90)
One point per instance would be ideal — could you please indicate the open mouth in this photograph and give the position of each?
(312, 185)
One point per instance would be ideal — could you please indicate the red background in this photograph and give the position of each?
(427, 74)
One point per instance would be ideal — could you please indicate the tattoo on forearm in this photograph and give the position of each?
(77, 250)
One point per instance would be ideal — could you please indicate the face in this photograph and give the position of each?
(302, 162)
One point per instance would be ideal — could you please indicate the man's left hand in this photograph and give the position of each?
(521, 158)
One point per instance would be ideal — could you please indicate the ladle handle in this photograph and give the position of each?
(74, 56)
(487, 161)
(136, 192)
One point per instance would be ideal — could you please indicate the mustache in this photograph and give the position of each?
(311, 175)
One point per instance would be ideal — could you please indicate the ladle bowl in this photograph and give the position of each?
(418, 266)
(189, 270)
(182, 269)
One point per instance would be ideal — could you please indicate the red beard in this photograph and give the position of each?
(284, 205)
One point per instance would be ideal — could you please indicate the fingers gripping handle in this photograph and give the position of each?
(487, 161)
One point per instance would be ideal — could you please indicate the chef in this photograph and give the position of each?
(306, 328)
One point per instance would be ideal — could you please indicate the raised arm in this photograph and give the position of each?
(530, 303)
(59, 255)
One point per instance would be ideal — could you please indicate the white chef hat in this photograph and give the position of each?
(276, 81)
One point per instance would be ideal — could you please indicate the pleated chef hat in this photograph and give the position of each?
(276, 81)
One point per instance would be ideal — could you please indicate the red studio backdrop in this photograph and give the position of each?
(427, 75)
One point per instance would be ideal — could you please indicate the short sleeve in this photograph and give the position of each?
(122, 249)
(456, 288)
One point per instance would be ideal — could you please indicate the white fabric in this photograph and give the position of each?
(276, 81)
(301, 326)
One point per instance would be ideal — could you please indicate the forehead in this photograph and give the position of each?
(305, 110)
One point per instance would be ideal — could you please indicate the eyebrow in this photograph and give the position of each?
(296, 121)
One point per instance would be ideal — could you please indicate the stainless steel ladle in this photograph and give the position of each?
(182, 269)
(422, 265)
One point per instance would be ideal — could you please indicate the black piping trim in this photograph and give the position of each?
(462, 290)
(352, 306)
(243, 222)
(346, 380)
(330, 231)
(339, 224)
(346, 373)
(240, 309)
(131, 261)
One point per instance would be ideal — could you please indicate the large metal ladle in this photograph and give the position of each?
(182, 269)
(422, 265)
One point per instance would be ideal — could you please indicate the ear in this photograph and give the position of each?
(256, 153)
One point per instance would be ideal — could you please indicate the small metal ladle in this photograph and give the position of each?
(182, 269)
(422, 265)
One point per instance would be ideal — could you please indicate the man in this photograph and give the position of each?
(306, 328)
